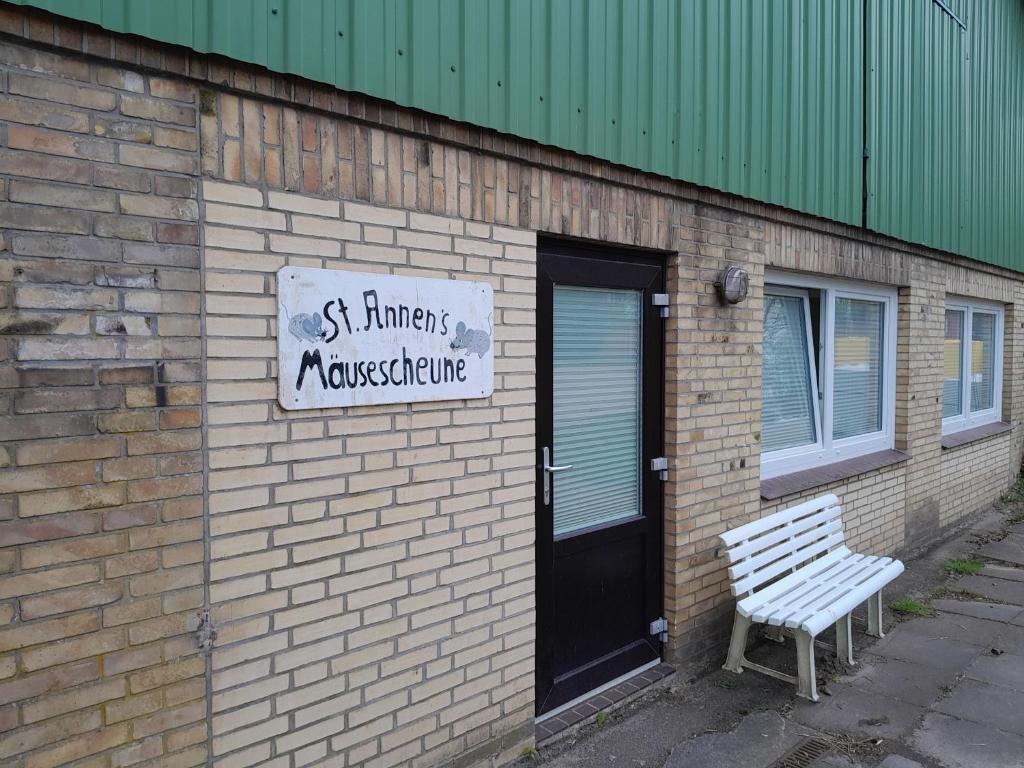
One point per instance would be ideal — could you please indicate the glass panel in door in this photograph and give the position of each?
(596, 405)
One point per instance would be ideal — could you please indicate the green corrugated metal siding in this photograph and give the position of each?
(946, 126)
(760, 98)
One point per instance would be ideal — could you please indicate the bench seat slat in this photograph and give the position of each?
(824, 593)
(804, 589)
(750, 530)
(748, 605)
(817, 621)
(831, 588)
(754, 545)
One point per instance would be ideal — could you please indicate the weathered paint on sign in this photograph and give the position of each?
(354, 338)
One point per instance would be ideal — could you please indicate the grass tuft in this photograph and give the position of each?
(602, 718)
(963, 566)
(909, 607)
(1014, 493)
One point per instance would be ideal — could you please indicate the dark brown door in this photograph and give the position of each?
(599, 417)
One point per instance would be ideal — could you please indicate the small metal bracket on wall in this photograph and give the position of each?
(201, 625)
(659, 627)
(660, 300)
(660, 465)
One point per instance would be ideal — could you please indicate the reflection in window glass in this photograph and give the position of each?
(952, 373)
(596, 405)
(787, 409)
(983, 344)
(857, 385)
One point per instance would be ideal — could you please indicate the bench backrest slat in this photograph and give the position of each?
(790, 545)
(750, 530)
(764, 549)
(757, 578)
(744, 550)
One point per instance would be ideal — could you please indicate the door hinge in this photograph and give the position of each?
(660, 465)
(660, 300)
(659, 627)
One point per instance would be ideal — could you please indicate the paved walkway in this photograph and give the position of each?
(945, 690)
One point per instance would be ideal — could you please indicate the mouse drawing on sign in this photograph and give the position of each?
(306, 327)
(473, 341)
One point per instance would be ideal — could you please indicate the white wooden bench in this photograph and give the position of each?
(791, 570)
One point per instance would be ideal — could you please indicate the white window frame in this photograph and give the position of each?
(826, 450)
(968, 419)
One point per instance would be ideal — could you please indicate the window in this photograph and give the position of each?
(972, 370)
(829, 379)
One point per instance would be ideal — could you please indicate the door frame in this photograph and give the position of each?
(652, 430)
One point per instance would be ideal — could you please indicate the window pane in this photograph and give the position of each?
(983, 346)
(952, 391)
(596, 405)
(787, 411)
(857, 378)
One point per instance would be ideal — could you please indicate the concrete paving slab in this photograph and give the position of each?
(1009, 550)
(898, 761)
(1003, 572)
(1007, 669)
(977, 609)
(897, 679)
(835, 761)
(1010, 640)
(939, 653)
(995, 589)
(859, 713)
(759, 740)
(963, 744)
(952, 626)
(989, 705)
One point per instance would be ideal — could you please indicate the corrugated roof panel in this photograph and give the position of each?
(945, 126)
(760, 98)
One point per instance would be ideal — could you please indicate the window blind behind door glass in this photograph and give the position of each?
(787, 408)
(857, 372)
(596, 402)
(983, 346)
(952, 364)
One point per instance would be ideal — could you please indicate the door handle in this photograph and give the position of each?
(549, 470)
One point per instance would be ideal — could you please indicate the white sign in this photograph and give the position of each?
(354, 338)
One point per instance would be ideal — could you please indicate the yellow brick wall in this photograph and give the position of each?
(371, 574)
(101, 485)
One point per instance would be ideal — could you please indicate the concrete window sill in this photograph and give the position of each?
(966, 436)
(805, 479)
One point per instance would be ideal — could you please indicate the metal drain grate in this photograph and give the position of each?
(805, 751)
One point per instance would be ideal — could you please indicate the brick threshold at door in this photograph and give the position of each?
(600, 702)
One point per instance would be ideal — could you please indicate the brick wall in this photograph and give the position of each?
(909, 505)
(101, 486)
(973, 476)
(414, 521)
(372, 567)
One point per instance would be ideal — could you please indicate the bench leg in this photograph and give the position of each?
(844, 640)
(738, 644)
(775, 634)
(875, 615)
(806, 686)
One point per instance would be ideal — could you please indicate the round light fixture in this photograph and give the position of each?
(732, 284)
